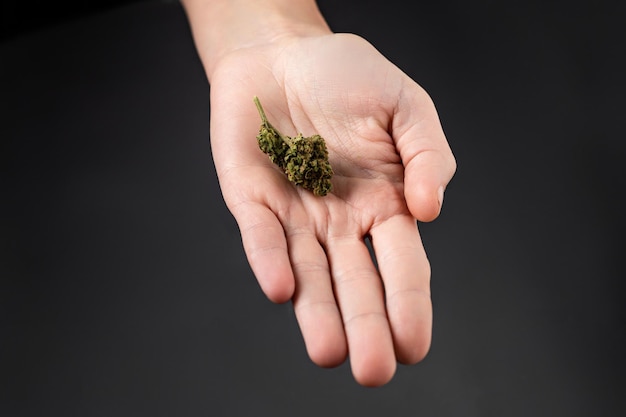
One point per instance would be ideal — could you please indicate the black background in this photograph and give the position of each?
(124, 290)
(24, 17)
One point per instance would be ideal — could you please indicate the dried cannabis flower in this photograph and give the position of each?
(303, 159)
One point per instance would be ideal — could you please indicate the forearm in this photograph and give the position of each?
(220, 27)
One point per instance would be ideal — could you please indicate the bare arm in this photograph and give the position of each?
(220, 27)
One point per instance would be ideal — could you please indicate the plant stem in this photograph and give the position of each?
(267, 123)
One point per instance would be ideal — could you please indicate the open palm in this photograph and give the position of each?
(391, 163)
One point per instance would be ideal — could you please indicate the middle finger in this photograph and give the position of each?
(359, 293)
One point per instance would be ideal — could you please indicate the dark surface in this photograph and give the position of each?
(124, 290)
(18, 17)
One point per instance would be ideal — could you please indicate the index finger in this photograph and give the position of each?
(405, 271)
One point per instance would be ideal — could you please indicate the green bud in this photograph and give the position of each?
(304, 160)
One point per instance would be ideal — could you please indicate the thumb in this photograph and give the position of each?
(429, 164)
(426, 177)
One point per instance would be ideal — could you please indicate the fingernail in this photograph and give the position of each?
(440, 195)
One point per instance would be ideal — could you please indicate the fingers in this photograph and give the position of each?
(291, 263)
(426, 155)
(339, 299)
(265, 246)
(359, 293)
(405, 271)
(314, 301)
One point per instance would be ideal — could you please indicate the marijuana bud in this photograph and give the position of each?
(303, 159)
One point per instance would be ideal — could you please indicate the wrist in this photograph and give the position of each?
(221, 27)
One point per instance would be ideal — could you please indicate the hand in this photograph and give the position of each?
(391, 162)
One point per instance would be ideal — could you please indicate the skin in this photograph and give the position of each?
(391, 160)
